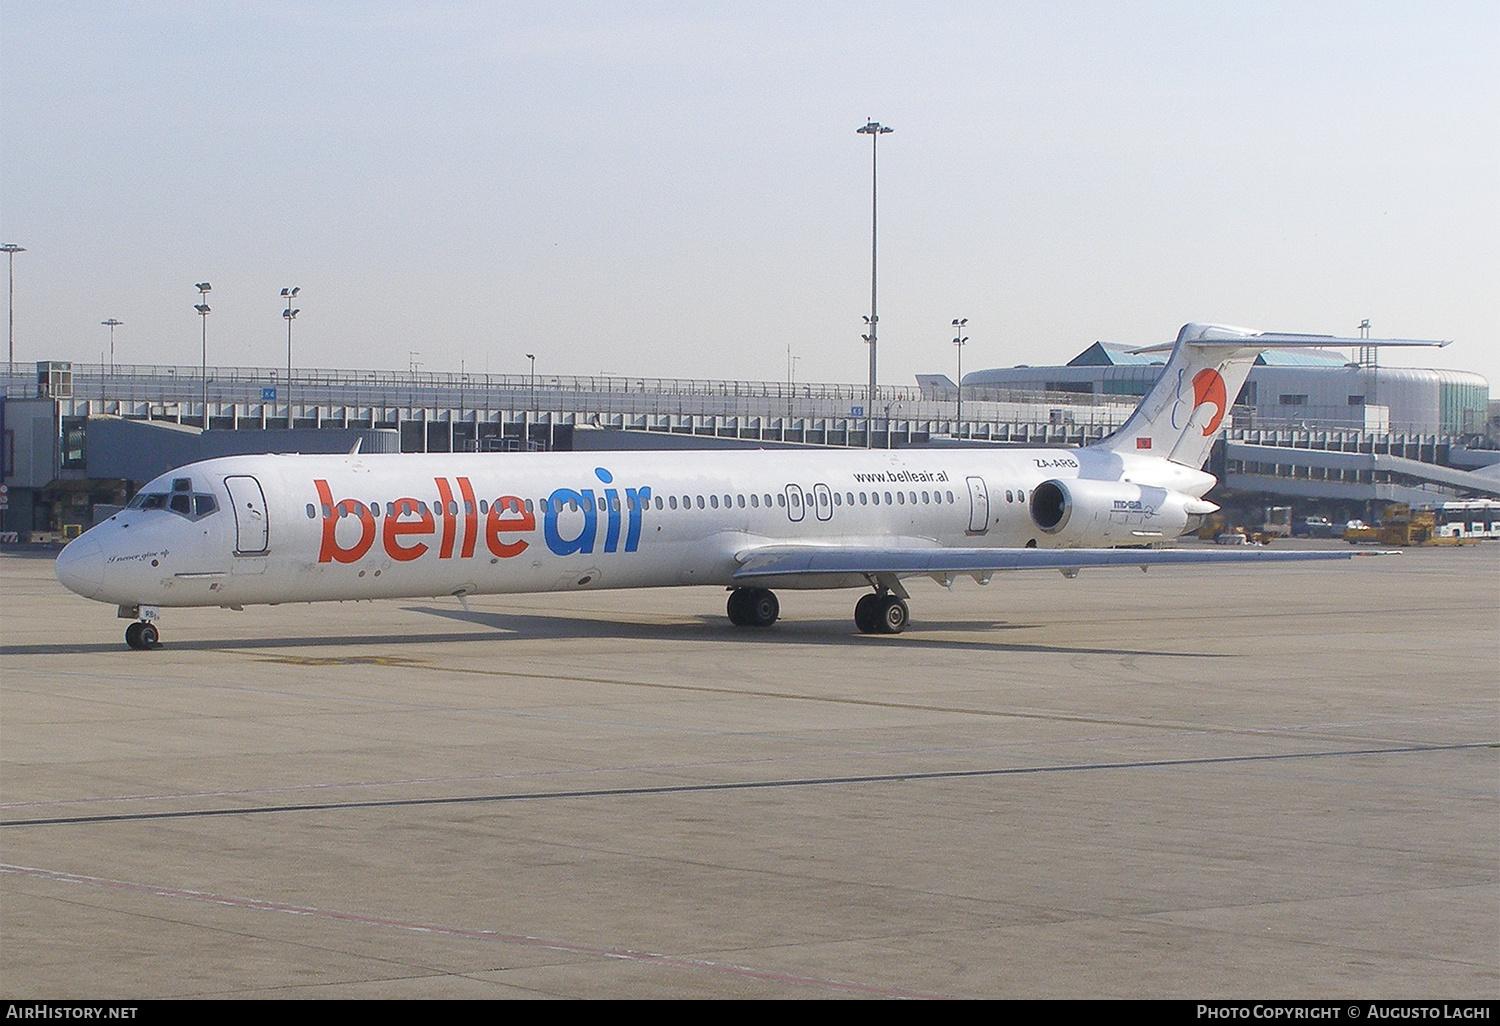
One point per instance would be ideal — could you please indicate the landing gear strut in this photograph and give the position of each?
(881, 613)
(142, 635)
(753, 607)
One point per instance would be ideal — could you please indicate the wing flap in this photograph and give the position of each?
(773, 561)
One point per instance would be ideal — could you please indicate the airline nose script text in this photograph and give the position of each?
(570, 522)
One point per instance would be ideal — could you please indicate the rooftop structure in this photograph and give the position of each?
(1301, 389)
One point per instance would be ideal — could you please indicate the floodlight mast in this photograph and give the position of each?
(959, 338)
(204, 288)
(290, 314)
(10, 249)
(112, 324)
(535, 414)
(874, 130)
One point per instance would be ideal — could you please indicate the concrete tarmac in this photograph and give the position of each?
(1247, 782)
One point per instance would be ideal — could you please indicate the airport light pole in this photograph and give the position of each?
(112, 324)
(10, 249)
(534, 415)
(791, 383)
(204, 288)
(290, 315)
(1369, 361)
(874, 130)
(958, 343)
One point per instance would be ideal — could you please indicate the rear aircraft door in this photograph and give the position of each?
(251, 533)
(979, 506)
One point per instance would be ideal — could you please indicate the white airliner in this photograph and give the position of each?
(289, 528)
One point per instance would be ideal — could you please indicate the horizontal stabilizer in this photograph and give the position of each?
(1186, 409)
(1223, 335)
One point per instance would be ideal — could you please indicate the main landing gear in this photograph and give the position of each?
(881, 613)
(142, 635)
(753, 607)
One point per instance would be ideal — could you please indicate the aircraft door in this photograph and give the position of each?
(979, 506)
(252, 534)
(823, 500)
(794, 510)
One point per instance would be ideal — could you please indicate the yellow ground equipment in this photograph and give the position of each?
(1399, 524)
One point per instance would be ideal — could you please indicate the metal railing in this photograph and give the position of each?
(314, 395)
(158, 381)
(177, 391)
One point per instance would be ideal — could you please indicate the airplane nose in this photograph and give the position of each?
(80, 566)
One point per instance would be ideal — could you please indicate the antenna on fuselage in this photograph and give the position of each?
(354, 449)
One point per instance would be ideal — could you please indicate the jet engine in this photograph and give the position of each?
(1091, 514)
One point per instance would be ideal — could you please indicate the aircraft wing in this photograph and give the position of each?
(772, 562)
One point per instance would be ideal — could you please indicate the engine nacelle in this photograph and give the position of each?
(1096, 514)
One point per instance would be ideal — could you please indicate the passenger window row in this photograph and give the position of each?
(762, 500)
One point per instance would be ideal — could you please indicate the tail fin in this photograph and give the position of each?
(1185, 410)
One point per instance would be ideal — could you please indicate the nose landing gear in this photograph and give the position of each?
(142, 635)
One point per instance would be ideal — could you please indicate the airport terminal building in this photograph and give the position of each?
(1297, 389)
(79, 439)
(1310, 426)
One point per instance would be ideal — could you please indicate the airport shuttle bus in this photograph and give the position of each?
(1474, 518)
(288, 528)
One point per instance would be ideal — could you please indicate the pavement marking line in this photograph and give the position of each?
(743, 785)
(871, 703)
(335, 915)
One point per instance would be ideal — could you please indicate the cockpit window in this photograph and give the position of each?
(182, 501)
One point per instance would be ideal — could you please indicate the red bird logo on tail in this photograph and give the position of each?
(1208, 387)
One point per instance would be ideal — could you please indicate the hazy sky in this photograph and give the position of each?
(678, 189)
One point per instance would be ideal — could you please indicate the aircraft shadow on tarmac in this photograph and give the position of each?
(502, 627)
(707, 626)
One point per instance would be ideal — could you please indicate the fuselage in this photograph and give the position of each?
(253, 529)
(288, 528)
